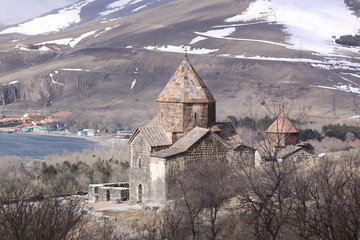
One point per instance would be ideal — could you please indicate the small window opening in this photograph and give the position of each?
(108, 195)
(140, 193)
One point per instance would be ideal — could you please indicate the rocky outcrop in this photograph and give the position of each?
(9, 94)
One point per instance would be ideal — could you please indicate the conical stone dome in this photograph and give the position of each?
(186, 86)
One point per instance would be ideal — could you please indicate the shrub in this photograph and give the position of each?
(341, 131)
(349, 40)
(308, 134)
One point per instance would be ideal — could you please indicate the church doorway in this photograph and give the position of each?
(140, 193)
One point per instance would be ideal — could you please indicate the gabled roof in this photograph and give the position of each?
(190, 138)
(282, 125)
(282, 153)
(288, 151)
(155, 136)
(184, 143)
(186, 86)
(228, 133)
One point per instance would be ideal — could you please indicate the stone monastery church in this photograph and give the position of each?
(185, 130)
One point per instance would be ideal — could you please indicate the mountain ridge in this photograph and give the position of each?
(94, 70)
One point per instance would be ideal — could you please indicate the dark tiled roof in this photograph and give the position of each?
(168, 152)
(279, 153)
(282, 125)
(287, 151)
(228, 133)
(155, 136)
(183, 144)
(186, 86)
(190, 138)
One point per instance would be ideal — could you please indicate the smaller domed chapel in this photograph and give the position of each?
(185, 130)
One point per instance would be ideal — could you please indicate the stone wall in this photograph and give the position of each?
(170, 116)
(283, 139)
(243, 156)
(157, 179)
(174, 168)
(139, 174)
(182, 117)
(114, 192)
(201, 115)
(144, 171)
(299, 155)
(212, 146)
(208, 148)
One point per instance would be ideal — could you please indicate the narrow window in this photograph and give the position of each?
(108, 195)
(139, 162)
(140, 193)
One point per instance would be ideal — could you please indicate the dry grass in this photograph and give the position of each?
(130, 218)
(110, 150)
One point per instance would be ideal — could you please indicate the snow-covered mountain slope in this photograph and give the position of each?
(16, 11)
(312, 25)
(83, 11)
(127, 52)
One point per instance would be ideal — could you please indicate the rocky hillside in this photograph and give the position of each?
(114, 61)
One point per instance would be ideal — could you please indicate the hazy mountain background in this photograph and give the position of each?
(109, 59)
(12, 12)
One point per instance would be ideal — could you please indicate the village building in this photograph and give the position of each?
(29, 117)
(282, 143)
(10, 122)
(282, 132)
(185, 129)
(88, 133)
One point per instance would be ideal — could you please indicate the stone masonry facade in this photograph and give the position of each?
(185, 130)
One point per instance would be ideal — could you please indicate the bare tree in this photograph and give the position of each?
(25, 213)
(205, 188)
(198, 212)
(264, 198)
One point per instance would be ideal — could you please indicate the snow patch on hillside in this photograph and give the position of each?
(223, 33)
(105, 30)
(75, 69)
(52, 75)
(13, 82)
(139, 8)
(197, 39)
(72, 42)
(11, 13)
(219, 33)
(52, 22)
(311, 24)
(118, 5)
(181, 49)
(133, 84)
(342, 87)
(75, 41)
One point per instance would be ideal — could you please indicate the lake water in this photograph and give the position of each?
(39, 146)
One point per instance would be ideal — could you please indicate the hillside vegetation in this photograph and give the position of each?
(349, 40)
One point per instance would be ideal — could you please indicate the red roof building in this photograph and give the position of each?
(282, 132)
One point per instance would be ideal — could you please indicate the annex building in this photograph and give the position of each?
(282, 143)
(185, 130)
